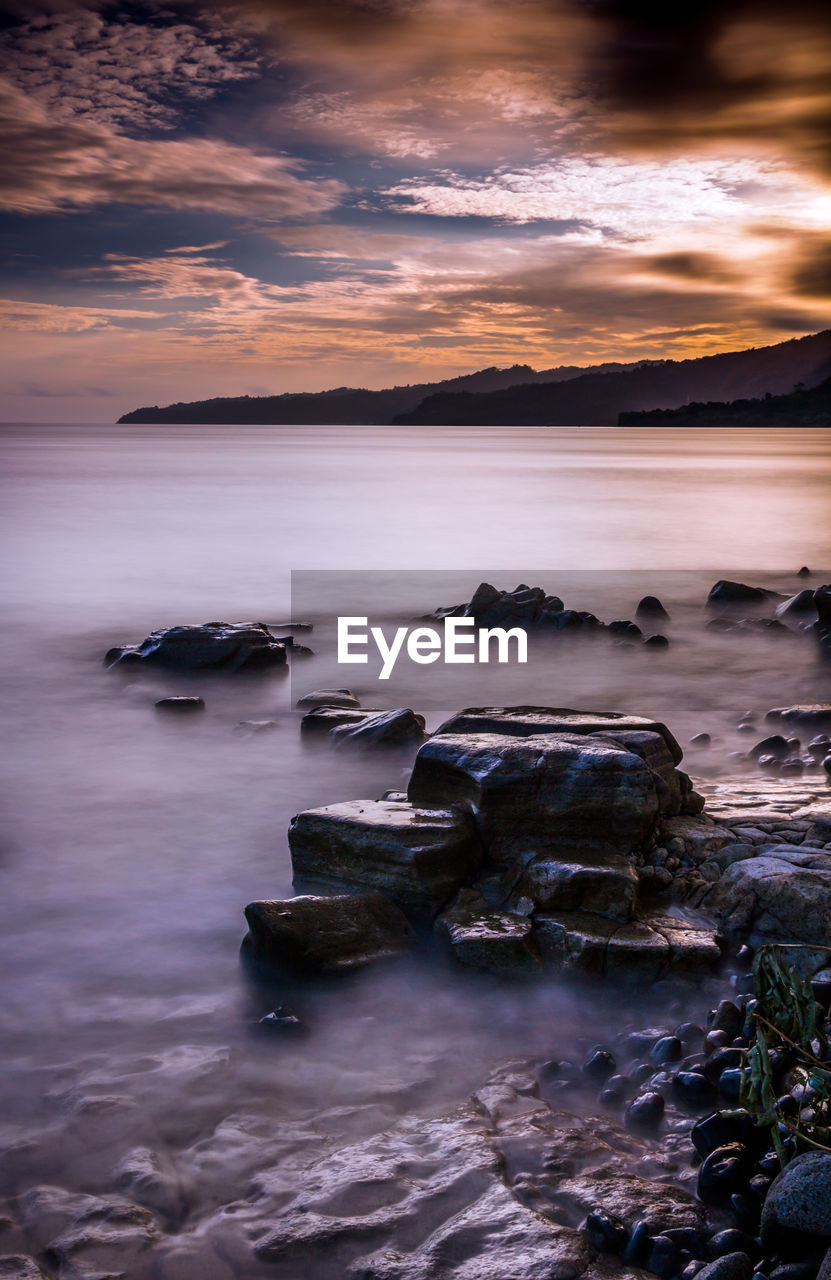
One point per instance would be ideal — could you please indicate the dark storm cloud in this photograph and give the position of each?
(691, 266)
(812, 272)
(753, 71)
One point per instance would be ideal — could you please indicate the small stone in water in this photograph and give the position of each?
(638, 1242)
(606, 1234)
(723, 1172)
(700, 740)
(826, 764)
(646, 1111)
(664, 1258)
(180, 705)
(599, 1066)
(667, 1049)
(730, 1083)
(282, 1019)
(730, 1241)
(694, 1089)
(733, 1266)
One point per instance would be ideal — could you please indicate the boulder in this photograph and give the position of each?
(813, 717)
(607, 887)
(537, 794)
(180, 706)
(311, 935)
(398, 728)
(226, 647)
(726, 592)
(798, 608)
(417, 857)
(650, 607)
(523, 722)
(493, 941)
(328, 698)
(782, 895)
(798, 1203)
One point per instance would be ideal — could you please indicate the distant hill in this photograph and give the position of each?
(802, 408)
(594, 398)
(520, 395)
(350, 405)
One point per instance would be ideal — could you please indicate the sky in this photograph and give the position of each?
(248, 197)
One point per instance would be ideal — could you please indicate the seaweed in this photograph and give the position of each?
(788, 1025)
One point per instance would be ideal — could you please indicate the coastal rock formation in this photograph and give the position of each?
(780, 893)
(546, 792)
(417, 857)
(725, 592)
(482, 938)
(226, 647)
(498, 1187)
(522, 722)
(318, 935)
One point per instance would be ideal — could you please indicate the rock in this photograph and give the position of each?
(151, 1179)
(799, 607)
(664, 1258)
(492, 941)
(398, 728)
(543, 793)
(645, 1112)
(656, 641)
(647, 949)
(329, 698)
(226, 647)
(282, 1021)
(722, 1172)
(324, 719)
(798, 1202)
(821, 987)
(726, 592)
(326, 935)
(667, 1049)
(636, 952)
(523, 722)
(606, 1234)
(14, 1266)
(701, 740)
(782, 895)
(608, 887)
(804, 572)
(774, 745)
(733, 1266)
(114, 1238)
(650, 607)
(253, 728)
(180, 706)
(417, 857)
(693, 1089)
(814, 717)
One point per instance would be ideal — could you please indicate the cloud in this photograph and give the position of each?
(48, 166)
(622, 198)
(80, 65)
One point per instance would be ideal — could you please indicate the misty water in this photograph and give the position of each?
(130, 845)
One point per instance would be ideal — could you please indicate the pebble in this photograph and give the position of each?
(664, 1258)
(733, 1266)
(667, 1049)
(646, 1111)
(731, 1241)
(638, 1243)
(599, 1066)
(694, 1089)
(724, 1171)
(606, 1234)
(180, 705)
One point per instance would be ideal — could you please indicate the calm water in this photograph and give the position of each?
(130, 846)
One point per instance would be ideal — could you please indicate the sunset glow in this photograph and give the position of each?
(250, 198)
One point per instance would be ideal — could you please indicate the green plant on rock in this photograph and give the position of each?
(788, 1021)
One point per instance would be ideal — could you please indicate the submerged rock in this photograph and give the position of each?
(326, 935)
(650, 607)
(227, 647)
(417, 857)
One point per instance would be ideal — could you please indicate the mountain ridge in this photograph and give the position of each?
(519, 395)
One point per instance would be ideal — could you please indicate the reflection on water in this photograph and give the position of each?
(131, 845)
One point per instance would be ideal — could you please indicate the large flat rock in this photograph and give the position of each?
(313, 935)
(522, 722)
(538, 793)
(492, 941)
(418, 857)
(646, 949)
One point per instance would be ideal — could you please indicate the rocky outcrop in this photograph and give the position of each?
(316, 935)
(780, 894)
(547, 792)
(647, 948)
(489, 940)
(812, 717)
(523, 722)
(225, 647)
(499, 1187)
(417, 857)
